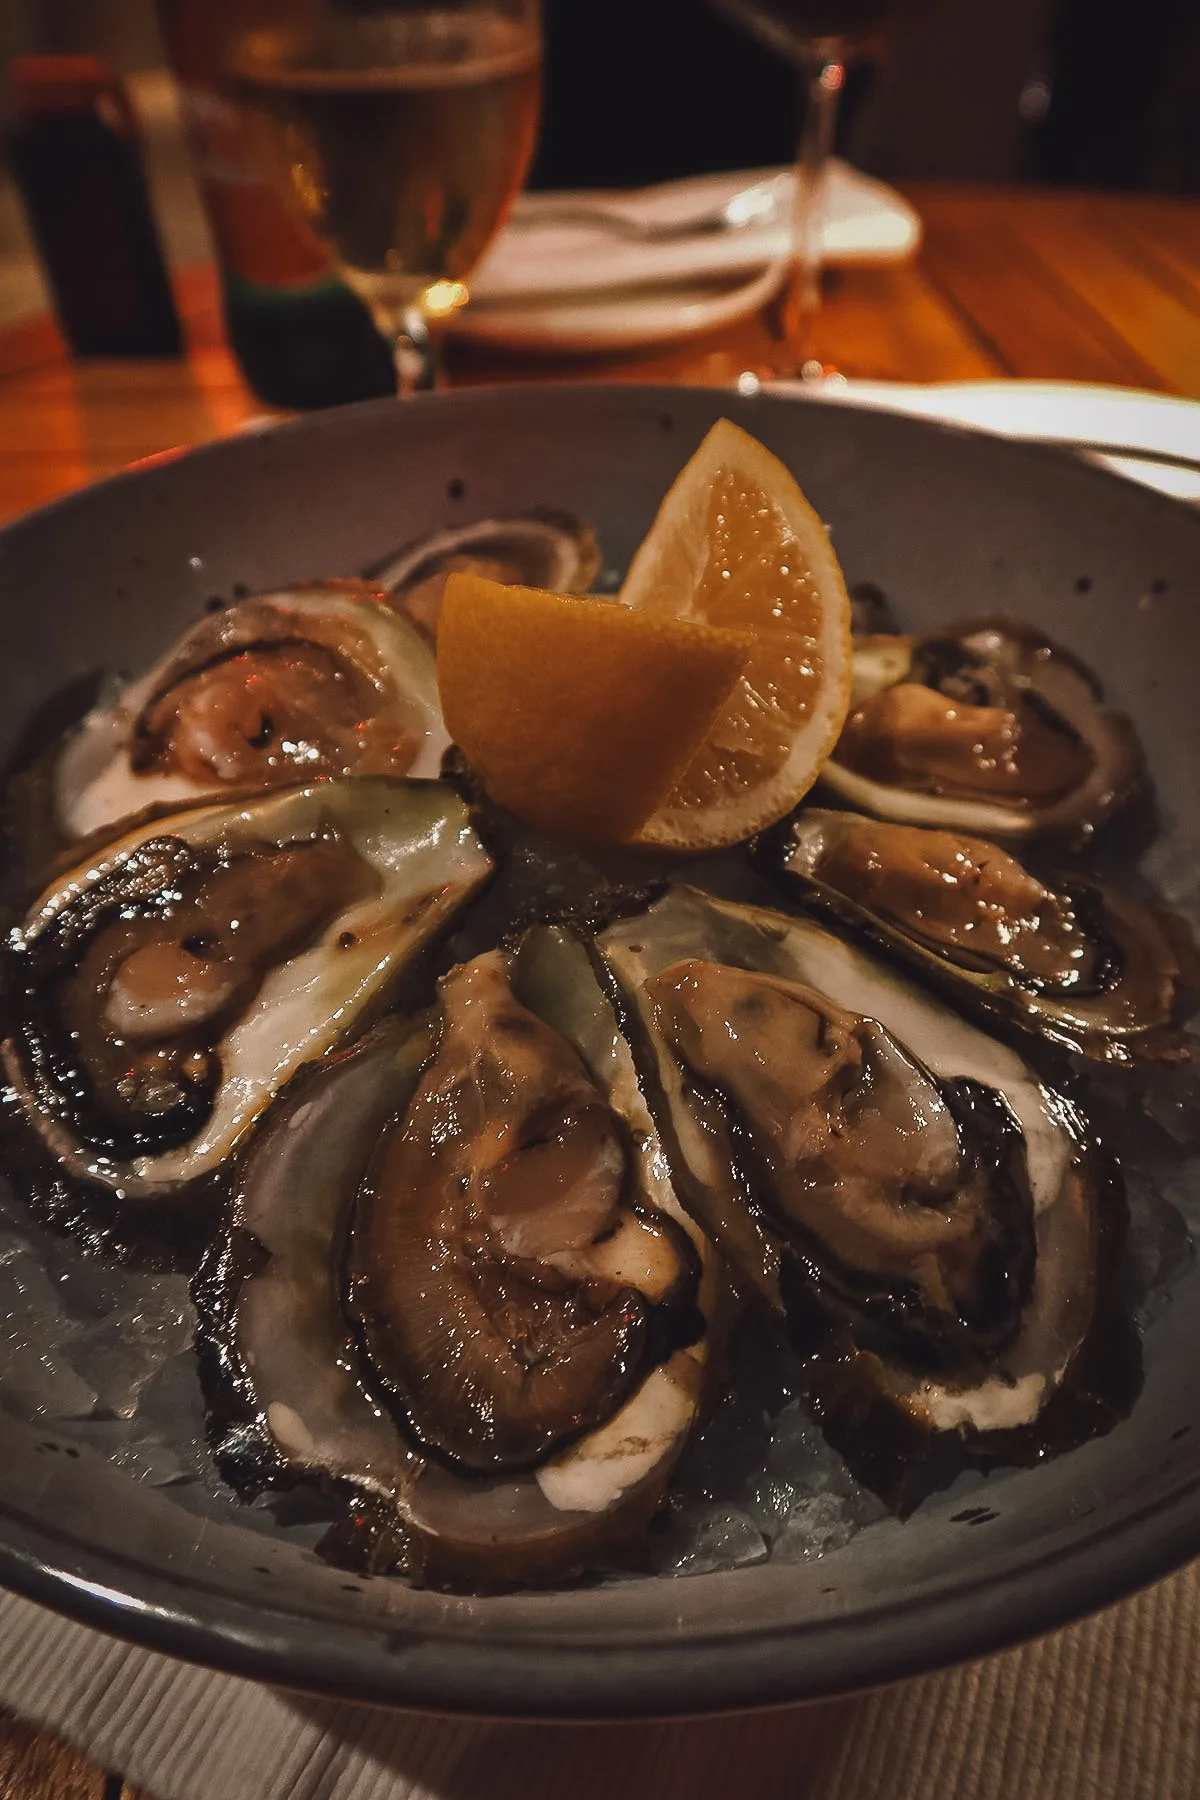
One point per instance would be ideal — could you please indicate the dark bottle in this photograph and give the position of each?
(75, 151)
(302, 338)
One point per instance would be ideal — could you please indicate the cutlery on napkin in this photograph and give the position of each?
(549, 248)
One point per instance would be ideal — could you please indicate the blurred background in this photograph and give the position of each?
(1051, 91)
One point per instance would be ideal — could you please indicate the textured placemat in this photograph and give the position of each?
(1107, 1710)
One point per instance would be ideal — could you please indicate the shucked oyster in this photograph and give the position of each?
(1076, 962)
(988, 728)
(318, 681)
(458, 1279)
(902, 1186)
(544, 548)
(161, 995)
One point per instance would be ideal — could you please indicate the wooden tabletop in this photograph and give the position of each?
(1029, 283)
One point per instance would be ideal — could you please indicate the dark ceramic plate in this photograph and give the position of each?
(104, 1510)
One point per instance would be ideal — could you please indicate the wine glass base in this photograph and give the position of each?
(812, 374)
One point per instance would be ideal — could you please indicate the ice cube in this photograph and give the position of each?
(150, 1462)
(1173, 1102)
(1173, 865)
(817, 1524)
(1179, 1188)
(121, 1352)
(769, 1502)
(34, 1334)
(724, 1453)
(42, 1381)
(723, 1538)
(1160, 1249)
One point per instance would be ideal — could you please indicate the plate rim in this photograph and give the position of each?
(660, 394)
(380, 1662)
(733, 1672)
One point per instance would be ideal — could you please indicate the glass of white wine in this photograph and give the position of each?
(820, 37)
(404, 130)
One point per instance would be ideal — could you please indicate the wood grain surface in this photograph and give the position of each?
(35, 1766)
(1079, 287)
(1009, 283)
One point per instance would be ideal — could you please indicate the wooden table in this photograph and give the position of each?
(1029, 283)
(1009, 283)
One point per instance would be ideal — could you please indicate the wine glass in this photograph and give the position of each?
(403, 130)
(820, 37)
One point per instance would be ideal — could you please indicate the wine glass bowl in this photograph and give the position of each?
(820, 37)
(795, 28)
(403, 133)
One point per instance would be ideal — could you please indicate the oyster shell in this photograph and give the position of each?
(987, 727)
(1076, 962)
(161, 995)
(323, 680)
(902, 1187)
(544, 548)
(464, 1380)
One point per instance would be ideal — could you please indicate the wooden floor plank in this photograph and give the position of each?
(1093, 278)
(895, 324)
(1102, 268)
(91, 418)
(36, 1766)
(1034, 320)
(886, 323)
(28, 344)
(85, 422)
(1166, 239)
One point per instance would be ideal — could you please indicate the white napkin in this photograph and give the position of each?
(864, 221)
(1107, 1710)
(1072, 413)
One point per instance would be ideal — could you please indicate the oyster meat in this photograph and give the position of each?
(162, 994)
(925, 1212)
(319, 681)
(1073, 960)
(474, 1298)
(544, 548)
(986, 727)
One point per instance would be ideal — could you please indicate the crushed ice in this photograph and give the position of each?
(84, 1344)
(103, 1353)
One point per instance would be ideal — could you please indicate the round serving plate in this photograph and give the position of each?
(946, 523)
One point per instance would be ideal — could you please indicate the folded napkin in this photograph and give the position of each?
(1150, 438)
(864, 221)
(1107, 1710)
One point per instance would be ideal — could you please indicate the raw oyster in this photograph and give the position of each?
(544, 548)
(458, 1279)
(161, 995)
(902, 1187)
(1077, 962)
(986, 727)
(317, 681)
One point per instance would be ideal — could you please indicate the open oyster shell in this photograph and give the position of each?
(161, 995)
(543, 548)
(924, 1211)
(309, 1353)
(317, 681)
(986, 727)
(1073, 961)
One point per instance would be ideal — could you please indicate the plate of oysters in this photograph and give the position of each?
(601, 1113)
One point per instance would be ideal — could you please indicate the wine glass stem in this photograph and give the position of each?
(825, 76)
(413, 353)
